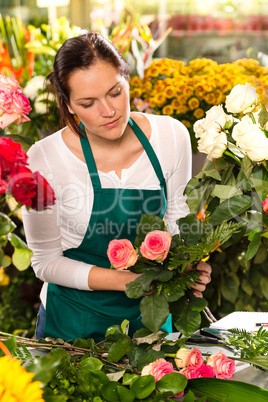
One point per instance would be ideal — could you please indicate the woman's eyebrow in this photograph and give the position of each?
(88, 98)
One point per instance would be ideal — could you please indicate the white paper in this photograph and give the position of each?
(242, 320)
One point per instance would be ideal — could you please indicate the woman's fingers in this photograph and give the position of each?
(204, 270)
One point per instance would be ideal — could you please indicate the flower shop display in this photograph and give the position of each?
(187, 92)
(16, 179)
(146, 367)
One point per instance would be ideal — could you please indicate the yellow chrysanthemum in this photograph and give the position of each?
(160, 99)
(210, 98)
(168, 110)
(193, 103)
(16, 383)
(175, 103)
(199, 113)
(136, 93)
(135, 81)
(170, 92)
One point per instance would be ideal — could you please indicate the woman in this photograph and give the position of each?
(107, 167)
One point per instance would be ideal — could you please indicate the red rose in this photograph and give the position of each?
(44, 196)
(11, 154)
(22, 185)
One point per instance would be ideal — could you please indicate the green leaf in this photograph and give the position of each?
(224, 192)
(188, 322)
(189, 397)
(198, 304)
(264, 286)
(128, 378)
(6, 224)
(263, 115)
(150, 356)
(134, 289)
(44, 368)
(253, 246)
(154, 311)
(229, 288)
(21, 258)
(172, 382)
(260, 361)
(125, 394)
(230, 208)
(190, 229)
(91, 363)
(143, 386)
(109, 391)
(118, 350)
(218, 390)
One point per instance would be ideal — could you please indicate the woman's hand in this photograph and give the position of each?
(204, 270)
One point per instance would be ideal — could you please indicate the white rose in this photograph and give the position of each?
(213, 143)
(182, 357)
(252, 140)
(33, 86)
(41, 101)
(242, 98)
(215, 118)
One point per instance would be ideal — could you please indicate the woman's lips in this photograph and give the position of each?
(112, 123)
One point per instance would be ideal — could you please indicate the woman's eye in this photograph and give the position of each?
(118, 92)
(88, 105)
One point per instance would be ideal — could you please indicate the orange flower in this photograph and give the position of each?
(202, 214)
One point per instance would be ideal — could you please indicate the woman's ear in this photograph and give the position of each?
(70, 110)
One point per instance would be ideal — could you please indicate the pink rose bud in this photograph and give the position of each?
(203, 371)
(265, 205)
(222, 366)
(158, 369)
(121, 254)
(156, 245)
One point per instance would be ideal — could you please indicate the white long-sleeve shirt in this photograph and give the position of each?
(63, 226)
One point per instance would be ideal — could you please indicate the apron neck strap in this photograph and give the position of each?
(91, 165)
(143, 140)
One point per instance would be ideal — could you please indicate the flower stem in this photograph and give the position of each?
(5, 349)
(233, 156)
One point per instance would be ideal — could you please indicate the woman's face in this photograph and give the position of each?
(100, 98)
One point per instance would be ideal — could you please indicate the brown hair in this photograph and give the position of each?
(76, 53)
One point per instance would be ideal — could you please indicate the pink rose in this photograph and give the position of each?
(265, 205)
(121, 254)
(222, 366)
(9, 83)
(21, 105)
(195, 359)
(156, 245)
(203, 371)
(5, 101)
(159, 368)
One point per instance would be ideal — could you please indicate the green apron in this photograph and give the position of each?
(116, 212)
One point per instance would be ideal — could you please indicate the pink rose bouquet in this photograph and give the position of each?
(121, 254)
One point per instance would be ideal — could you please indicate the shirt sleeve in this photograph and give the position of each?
(176, 182)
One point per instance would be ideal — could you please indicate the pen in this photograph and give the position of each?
(262, 324)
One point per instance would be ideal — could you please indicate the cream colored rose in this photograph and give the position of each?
(212, 143)
(215, 118)
(242, 98)
(252, 140)
(182, 357)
